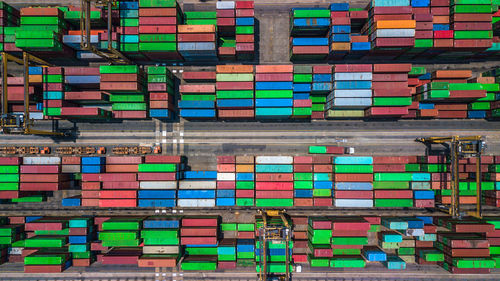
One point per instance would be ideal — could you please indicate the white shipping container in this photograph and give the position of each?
(160, 249)
(352, 93)
(226, 176)
(225, 5)
(158, 185)
(394, 32)
(274, 160)
(196, 203)
(415, 232)
(71, 169)
(42, 160)
(197, 184)
(354, 203)
(353, 76)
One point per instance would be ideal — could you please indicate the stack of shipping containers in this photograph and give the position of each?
(235, 92)
(161, 88)
(340, 30)
(273, 91)
(53, 91)
(352, 91)
(245, 181)
(353, 181)
(158, 22)
(226, 29)
(129, 29)
(197, 100)
(161, 240)
(127, 86)
(200, 236)
(197, 42)
(309, 30)
(274, 181)
(245, 30)
(391, 94)
(226, 181)
(302, 80)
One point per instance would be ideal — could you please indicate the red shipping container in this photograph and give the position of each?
(225, 264)
(121, 194)
(245, 13)
(471, 17)
(117, 203)
(46, 186)
(226, 159)
(157, 12)
(399, 10)
(302, 168)
(303, 202)
(226, 168)
(304, 159)
(162, 159)
(198, 240)
(203, 222)
(354, 194)
(393, 194)
(198, 231)
(198, 75)
(273, 194)
(122, 168)
(386, 111)
(310, 50)
(44, 268)
(239, 113)
(391, 17)
(224, 22)
(390, 77)
(234, 86)
(91, 185)
(193, 37)
(452, 114)
(226, 185)
(351, 224)
(274, 77)
(274, 185)
(335, 150)
(10, 160)
(121, 260)
(70, 160)
(44, 225)
(156, 176)
(244, 4)
(157, 21)
(273, 177)
(323, 168)
(353, 177)
(325, 253)
(302, 103)
(225, 13)
(321, 224)
(39, 169)
(471, 26)
(42, 177)
(340, 20)
(245, 38)
(157, 29)
(353, 68)
(358, 14)
(352, 233)
(391, 68)
(244, 193)
(90, 193)
(159, 96)
(246, 235)
(321, 159)
(388, 168)
(322, 202)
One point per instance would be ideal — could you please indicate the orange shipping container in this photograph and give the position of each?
(122, 168)
(354, 177)
(341, 46)
(273, 68)
(208, 28)
(244, 168)
(395, 24)
(234, 69)
(464, 74)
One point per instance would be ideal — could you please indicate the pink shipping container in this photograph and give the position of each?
(302, 159)
(152, 159)
(123, 160)
(156, 176)
(200, 222)
(274, 185)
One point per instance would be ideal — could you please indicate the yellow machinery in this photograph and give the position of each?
(111, 54)
(277, 233)
(19, 124)
(461, 147)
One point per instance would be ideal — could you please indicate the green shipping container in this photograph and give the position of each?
(393, 202)
(242, 94)
(157, 3)
(114, 69)
(158, 46)
(349, 169)
(392, 101)
(9, 170)
(267, 94)
(323, 13)
(317, 149)
(260, 202)
(475, 34)
(158, 167)
(129, 106)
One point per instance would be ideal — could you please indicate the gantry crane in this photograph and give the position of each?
(461, 147)
(111, 54)
(280, 233)
(19, 123)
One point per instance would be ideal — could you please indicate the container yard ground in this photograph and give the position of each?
(204, 139)
(372, 272)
